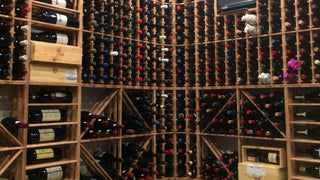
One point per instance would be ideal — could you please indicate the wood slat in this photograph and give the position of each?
(5, 163)
(263, 113)
(220, 111)
(93, 164)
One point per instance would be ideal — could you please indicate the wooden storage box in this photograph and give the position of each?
(49, 52)
(281, 152)
(250, 171)
(53, 73)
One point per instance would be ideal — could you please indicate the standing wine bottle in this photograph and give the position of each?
(52, 37)
(54, 18)
(45, 135)
(49, 173)
(43, 155)
(61, 3)
(51, 96)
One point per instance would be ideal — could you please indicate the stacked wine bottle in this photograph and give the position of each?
(263, 115)
(218, 113)
(13, 40)
(138, 56)
(224, 167)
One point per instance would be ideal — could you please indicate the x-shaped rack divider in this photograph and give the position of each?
(263, 113)
(15, 146)
(217, 151)
(219, 112)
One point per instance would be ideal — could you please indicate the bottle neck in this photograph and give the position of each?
(305, 132)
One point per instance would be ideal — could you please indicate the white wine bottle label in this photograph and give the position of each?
(71, 75)
(272, 157)
(60, 94)
(54, 173)
(49, 115)
(61, 19)
(46, 135)
(61, 3)
(62, 39)
(44, 153)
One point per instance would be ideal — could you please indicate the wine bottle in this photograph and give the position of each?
(61, 3)
(52, 37)
(11, 124)
(314, 151)
(309, 97)
(21, 9)
(54, 18)
(313, 170)
(43, 155)
(51, 96)
(49, 173)
(45, 135)
(47, 115)
(313, 115)
(312, 133)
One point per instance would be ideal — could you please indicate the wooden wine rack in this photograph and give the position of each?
(116, 96)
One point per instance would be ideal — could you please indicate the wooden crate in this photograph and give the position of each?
(56, 73)
(282, 155)
(249, 171)
(49, 52)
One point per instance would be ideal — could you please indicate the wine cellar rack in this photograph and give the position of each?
(197, 73)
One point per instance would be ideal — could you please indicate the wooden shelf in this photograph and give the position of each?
(54, 8)
(305, 159)
(41, 24)
(58, 143)
(56, 163)
(305, 141)
(6, 16)
(12, 82)
(54, 84)
(304, 104)
(2, 149)
(305, 122)
(299, 177)
(53, 104)
(263, 138)
(53, 124)
(219, 135)
(115, 138)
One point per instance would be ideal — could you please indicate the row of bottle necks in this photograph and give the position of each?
(264, 76)
(229, 21)
(46, 15)
(216, 65)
